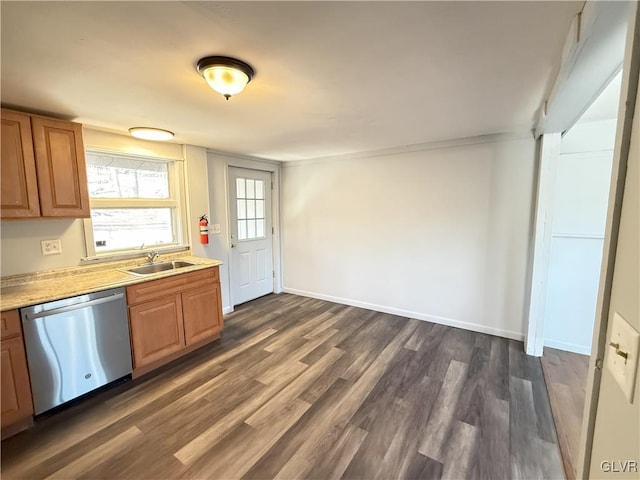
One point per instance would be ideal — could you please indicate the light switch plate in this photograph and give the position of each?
(51, 247)
(215, 228)
(627, 340)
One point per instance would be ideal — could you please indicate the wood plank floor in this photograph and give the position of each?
(566, 377)
(302, 388)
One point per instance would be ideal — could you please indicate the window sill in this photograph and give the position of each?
(125, 255)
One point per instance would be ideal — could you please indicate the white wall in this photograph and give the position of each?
(580, 212)
(440, 235)
(217, 175)
(197, 197)
(20, 247)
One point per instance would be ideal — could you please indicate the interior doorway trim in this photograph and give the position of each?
(626, 113)
(274, 169)
(549, 155)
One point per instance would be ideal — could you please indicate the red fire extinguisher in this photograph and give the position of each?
(204, 230)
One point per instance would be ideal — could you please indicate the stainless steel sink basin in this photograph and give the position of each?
(159, 267)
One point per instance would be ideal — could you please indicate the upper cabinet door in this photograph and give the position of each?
(62, 174)
(19, 194)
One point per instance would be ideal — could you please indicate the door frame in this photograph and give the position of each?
(274, 169)
(626, 112)
(543, 225)
(558, 114)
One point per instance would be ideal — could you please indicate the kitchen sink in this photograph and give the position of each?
(159, 267)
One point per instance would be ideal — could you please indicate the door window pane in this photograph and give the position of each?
(251, 193)
(240, 188)
(251, 212)
(242, 229)
(242, 209)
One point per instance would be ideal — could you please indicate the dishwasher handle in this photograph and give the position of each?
(76, 306)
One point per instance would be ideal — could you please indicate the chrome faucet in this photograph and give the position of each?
(152, 255)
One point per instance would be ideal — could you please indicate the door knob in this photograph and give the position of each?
(233, 245)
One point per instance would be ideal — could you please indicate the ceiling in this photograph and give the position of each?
(332, 77)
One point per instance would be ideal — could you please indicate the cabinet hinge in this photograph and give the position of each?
(271, 185)
(273, 230)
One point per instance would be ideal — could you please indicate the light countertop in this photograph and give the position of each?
(30, 289)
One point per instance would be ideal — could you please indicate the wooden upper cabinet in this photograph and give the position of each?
(62, 171)
(19, 194)
(43, 170)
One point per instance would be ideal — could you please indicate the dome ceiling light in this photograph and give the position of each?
(150, 133)
(227, 76)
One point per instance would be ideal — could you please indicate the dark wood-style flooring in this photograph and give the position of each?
(302, 388)
(566, 377)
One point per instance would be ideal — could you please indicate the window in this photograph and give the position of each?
(250, 200)
(134, 201)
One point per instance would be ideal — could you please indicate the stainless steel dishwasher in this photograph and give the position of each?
(76, 345)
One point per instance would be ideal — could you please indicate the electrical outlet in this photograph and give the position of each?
(215, 228)
(51, 247)
(622, 354)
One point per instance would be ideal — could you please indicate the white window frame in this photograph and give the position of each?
(176, 201)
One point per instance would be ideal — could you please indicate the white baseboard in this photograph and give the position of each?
(226, 310)
(474, 327)
(568, 347)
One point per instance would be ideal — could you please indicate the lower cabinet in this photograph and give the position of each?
(172, 316)
(17, 405)
(156, 329)
(197, 310)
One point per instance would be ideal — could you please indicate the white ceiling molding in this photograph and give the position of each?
(238, 156)
(419, 147)
(592, 57)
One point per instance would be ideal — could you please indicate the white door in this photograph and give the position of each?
(251, 266)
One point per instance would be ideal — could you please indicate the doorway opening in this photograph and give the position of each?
(251, 262)
(579, 213)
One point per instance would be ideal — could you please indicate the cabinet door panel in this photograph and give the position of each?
(19, 190)
(16, 390)
(201, 309)
(10, 324)
(62, 174)
(156, 329)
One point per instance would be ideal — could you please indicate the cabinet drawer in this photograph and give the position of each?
(10, 324)
(166, 286)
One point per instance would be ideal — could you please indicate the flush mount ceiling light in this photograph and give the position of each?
(150, 133)
(227, 76)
